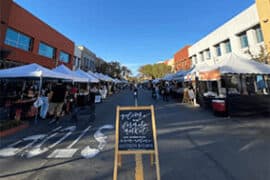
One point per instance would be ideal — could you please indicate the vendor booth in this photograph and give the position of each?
(14, 100)
(234, 86)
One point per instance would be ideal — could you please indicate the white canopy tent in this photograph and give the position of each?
(155, 81)
(93, 74)
(168, 77)
(32, 71)
(102, 77)
(234, 64)
(75, 77)
(90, 78)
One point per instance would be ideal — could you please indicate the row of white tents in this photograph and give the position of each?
(60, 72)
(233, 64)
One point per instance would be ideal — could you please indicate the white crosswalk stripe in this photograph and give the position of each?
(35, 145)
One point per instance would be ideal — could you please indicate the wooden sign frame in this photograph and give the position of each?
(153, 153)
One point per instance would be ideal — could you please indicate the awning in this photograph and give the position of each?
(90, 78)
(75, 76)
(233, 64)
(32, 71)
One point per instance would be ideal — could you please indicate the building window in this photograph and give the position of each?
(195, 59)
(18, 40)
(243, 40)
(46, 50)
(259, 34)
(228, 47)
(218, 50)
(64, 57)
(201, 56)
(208, 54)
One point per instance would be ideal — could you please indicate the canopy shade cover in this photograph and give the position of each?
(90, 78)
(32, 71)
(168, 77)
(234, 64)
(75, 77)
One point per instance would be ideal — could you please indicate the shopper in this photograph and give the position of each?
(45, 102)
(59, 93)
(92, 96)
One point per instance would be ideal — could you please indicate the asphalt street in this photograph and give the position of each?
(193, 144)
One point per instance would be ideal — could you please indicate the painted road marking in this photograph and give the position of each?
(52, 121)
(78, 138)
(68, 152)
(12, 150)
(70, 129)
(37, 150)
(100, 137)
(89, 152)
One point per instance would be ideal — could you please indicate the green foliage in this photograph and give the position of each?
(155, 70)
(114, 69)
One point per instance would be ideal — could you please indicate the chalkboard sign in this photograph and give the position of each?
(136, 134)
(135, 130)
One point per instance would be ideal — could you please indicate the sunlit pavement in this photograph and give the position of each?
(193, 144)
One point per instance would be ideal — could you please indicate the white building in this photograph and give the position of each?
(239, 34)
(88, 59)
(77, 58)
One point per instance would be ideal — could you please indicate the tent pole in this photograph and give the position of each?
(39, 93)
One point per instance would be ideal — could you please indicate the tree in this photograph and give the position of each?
(263, 56)
(155, 70)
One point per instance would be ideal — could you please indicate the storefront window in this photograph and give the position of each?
(18, 40)
(46, 50)
(64, 57)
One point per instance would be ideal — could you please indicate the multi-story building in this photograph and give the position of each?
(263, 8)
(88, 59)
(99, 62)
(170, 62)
(26, 39)
(182, 60)
(77, 58)
(240, 34)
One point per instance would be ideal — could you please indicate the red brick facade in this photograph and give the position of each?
(15, 17)
(181, 59)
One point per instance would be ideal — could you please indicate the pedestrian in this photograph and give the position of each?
(163, 91)
(157, 91)
(191, 95)
(59, 93)
(167, 91)
(45, 102)
(92, 96)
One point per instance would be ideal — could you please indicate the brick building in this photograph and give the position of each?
(182, 60)
(26, 39)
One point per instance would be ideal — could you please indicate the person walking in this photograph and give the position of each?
(92, 96)
(157, 91)
(167, 91)
(45, 102)
(59, 93)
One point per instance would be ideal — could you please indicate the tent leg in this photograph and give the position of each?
(39, 93)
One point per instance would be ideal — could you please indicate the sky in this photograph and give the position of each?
(135, 32)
